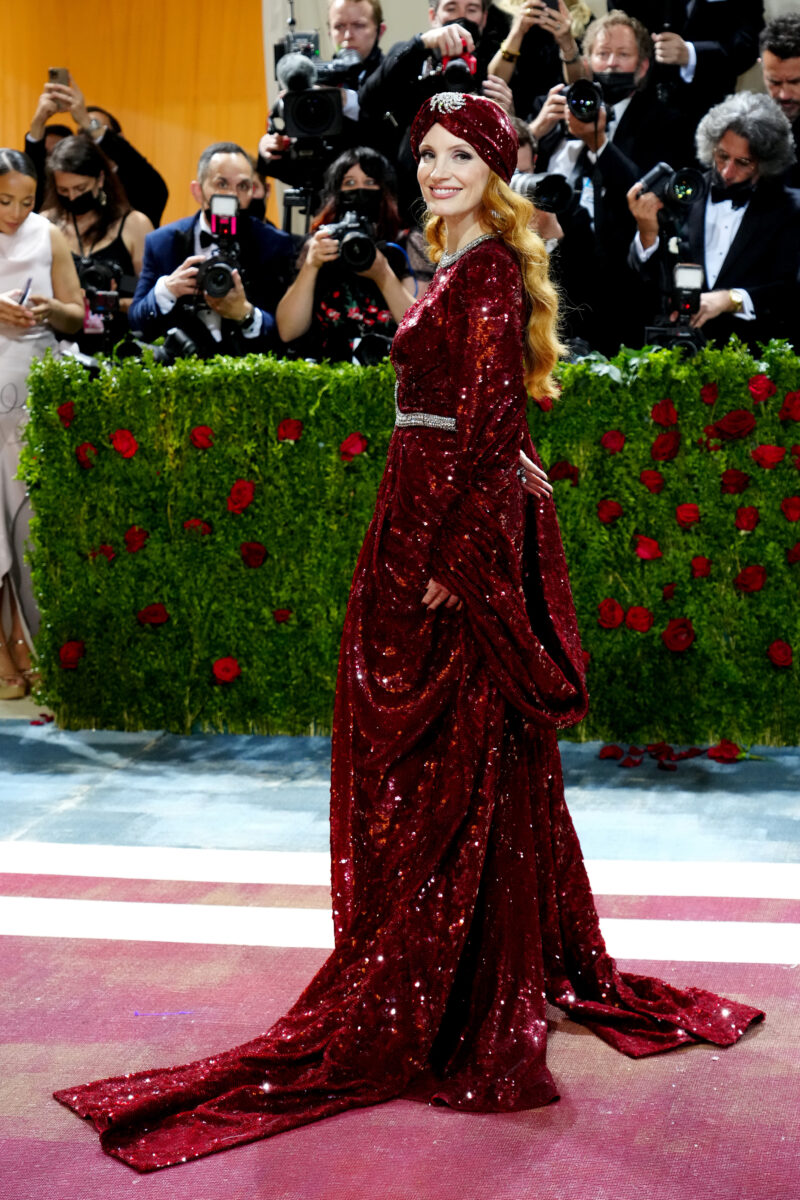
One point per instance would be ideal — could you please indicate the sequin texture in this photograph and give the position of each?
(461, 902)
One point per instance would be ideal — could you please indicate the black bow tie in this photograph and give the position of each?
(206, 240)
(737, 198)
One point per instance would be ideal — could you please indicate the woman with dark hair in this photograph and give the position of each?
(85, 200)
(331, 308)
(40, 300)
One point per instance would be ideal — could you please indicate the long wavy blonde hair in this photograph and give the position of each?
(507, 215)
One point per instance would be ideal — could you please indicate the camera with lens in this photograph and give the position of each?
(215, 274)
(455, 72)
(357, 246)
(684, 297)
(549, 193)
(96, 277)
(677, 190)
(584, 99)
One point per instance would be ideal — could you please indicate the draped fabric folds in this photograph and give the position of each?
(461, 902)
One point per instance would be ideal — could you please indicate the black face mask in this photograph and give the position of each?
(364, 201)
(733, 191)
(616, 85)
(470, 27)
(80, 205)
(257, 208)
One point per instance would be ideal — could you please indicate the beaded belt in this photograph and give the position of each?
(402, 420)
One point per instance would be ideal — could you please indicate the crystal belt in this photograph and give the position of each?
(403, 420)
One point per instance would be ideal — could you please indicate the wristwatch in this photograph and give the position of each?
(737, 299)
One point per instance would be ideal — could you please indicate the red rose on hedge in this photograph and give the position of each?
(793, 555)
(747, 517)
(195, 523)
(281, 615)
(652, 480)
(734, 481)
(735, 424)
(104, 549)
(679, 635)
(226, 670)
(202, 437)
(613, 441)
(71, 654)
(664, 413)
(709, 393)
(290, 430)
(687, 514)
(790, 507)
(751, 579)
(665, 446)
(66, 413)
(790, 409)
(768, 457)
(253, 553)
(724, 751)
(780, 654)
(545, 402)
(82, 454)
(647, 548)
(701, 566)
(610, 614)
(668, 591)
(135, 538)
(124, 442)
(241, 495)
(353, 444)
(638, 618)
(563, 470)
(609, 510)
(153, 614)
(761, 388)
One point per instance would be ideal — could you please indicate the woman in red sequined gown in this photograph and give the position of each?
(461, 903)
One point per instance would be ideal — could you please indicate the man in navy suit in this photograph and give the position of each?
(241, 322)
(744, 231)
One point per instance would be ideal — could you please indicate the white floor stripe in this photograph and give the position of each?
(193, 924)
(776, 881)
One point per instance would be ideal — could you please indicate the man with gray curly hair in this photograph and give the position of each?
(744, 229)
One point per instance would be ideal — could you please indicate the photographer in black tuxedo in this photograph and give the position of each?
(744, 230)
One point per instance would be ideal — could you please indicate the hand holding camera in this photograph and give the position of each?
(552, 112)
(183, 280)
(449, 41)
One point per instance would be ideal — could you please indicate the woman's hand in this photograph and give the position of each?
(321, 249)
(533, 478)
(14, 313)
(42, 308)
(437, 594)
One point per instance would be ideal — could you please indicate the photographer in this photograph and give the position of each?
(83, 198)
(744, 230)
(332, 307)
(241, 321)
(539, 50)
(780, 63)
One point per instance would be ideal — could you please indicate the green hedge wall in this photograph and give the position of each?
(232, 621)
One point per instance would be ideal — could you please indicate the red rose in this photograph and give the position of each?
(780, 654)
(793, 555)
(353, 444)
(104, 549)
(790, 409)
(668, 591)
(384, 316)
(709, 393)
(665, 446)
(135, 538)
(747, 518)
(790, 507)
(82, 454)
(795, 453)
(638, 618)
(586, 657)
(734, 481)
(611, 751)
(70, 654)
(724, 751)
(768, 457)
(202, 437)
(563, 470)
(195, 523)
(652, 480)
(679, 635)
(290, 430)
(124, 443)
(253, 553)
(545, 402)
(613, 441)
(226, 670)
(281, 615)
(66, 413)
(153, 614)
(751, 579)
(761, 388)
(241, 495)
(687, 514)
(701, 567)
(610, 614)
(647, 548)
(609, 511)
(735, 424)
(664, 413)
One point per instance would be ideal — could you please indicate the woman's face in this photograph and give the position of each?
(356, 178)
(69, 186)
(450, 173)
(17, 195)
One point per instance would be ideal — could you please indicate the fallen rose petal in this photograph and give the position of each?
(724, 751)
(631, 762)
(611, 751)
(664, 764)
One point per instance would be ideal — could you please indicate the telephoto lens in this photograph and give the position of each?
(585, 99)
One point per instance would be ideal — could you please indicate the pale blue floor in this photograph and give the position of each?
(254, 793)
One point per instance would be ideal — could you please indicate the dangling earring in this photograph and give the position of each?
(102, 198)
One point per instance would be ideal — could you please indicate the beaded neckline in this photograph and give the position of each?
(447, 260)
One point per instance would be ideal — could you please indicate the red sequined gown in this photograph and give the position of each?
(461, 902)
